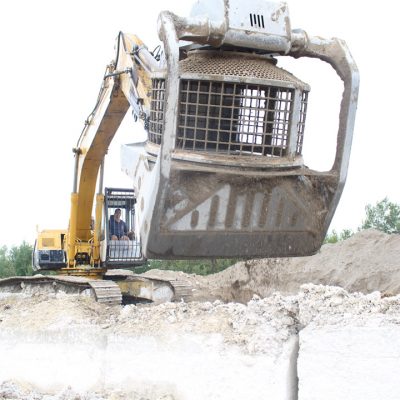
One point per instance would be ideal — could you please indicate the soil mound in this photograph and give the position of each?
(368, 261)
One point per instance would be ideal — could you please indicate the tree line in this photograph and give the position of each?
(16, 261)
(384, 216)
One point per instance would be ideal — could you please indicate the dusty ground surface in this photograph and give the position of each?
(262, 327)
(12, 390)
(255, 305)
(239, 324)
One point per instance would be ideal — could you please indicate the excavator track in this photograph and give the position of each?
(182, 290)
(109, 292)
(151, 288)
(103, 291)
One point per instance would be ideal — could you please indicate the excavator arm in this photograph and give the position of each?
(126, 84)
(89, 155)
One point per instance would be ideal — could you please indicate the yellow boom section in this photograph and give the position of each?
(112, 105)
(93, 149)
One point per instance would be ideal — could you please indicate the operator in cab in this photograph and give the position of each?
(118, 228)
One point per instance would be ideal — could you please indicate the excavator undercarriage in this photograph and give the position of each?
(121, 288)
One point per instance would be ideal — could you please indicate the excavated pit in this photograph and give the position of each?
(325, 326)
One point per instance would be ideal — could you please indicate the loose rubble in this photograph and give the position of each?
(282, 329)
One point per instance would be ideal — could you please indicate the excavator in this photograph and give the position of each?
(221, 174)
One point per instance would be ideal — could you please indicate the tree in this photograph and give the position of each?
(6, 268)
(21, 258)
(335, 237)
(16, 261)
(384, 216)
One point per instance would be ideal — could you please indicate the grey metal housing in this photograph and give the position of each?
(204, 197)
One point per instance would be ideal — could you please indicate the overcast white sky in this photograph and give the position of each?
(53, 55)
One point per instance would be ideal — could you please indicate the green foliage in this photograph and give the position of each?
(198, 267)
(335, 237)
(384, 216)
(16, 261)
(5, 264)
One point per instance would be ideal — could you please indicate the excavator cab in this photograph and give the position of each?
(124, 249)
(115, 252)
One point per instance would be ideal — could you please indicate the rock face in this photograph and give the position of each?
(279, 328)
(185, 351)
(350, 345)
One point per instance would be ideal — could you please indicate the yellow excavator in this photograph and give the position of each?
(221, 174)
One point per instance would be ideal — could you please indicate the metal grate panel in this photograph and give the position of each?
(237, 65)
(127, 250)
(302, 122)
(156, 122)
(124, 251)
(231, 117)
(234, 118)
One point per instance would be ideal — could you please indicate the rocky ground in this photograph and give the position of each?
(254, 307)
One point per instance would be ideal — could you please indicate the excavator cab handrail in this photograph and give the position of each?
(121, 252)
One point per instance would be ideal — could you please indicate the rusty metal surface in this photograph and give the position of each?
(236, 65)
(214, 215)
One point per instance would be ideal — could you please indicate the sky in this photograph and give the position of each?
(53, 56)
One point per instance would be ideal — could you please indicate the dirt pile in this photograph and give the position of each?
(366, 262)
(237, 324)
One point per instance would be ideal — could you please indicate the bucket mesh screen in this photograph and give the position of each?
(302, 122)
(236, 65)
(234, 118)
(156, 122)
